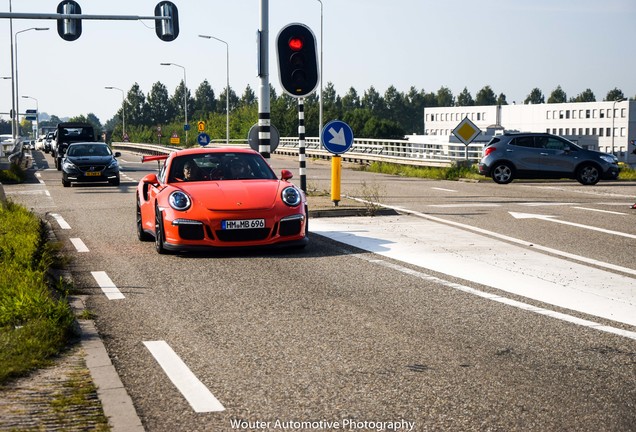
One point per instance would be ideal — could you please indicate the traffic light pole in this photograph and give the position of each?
(302, 170)
(264, 145)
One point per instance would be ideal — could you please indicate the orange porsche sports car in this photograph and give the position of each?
(219, 197)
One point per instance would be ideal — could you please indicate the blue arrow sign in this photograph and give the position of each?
(337, 137)
(203, 139)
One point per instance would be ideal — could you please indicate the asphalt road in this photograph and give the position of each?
(339, 338)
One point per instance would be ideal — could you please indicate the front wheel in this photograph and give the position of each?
(141, 234)
(159, 235)
(588, 174)
(502, 173)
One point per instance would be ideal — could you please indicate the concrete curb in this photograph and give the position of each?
(116, 403)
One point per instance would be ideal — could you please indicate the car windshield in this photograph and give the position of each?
(88, 150)
(220, 166)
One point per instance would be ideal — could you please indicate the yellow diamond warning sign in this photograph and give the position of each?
(466, 131)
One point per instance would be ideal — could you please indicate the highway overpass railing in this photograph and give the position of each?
(362, 151)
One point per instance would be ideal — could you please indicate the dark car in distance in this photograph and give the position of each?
(89, 162)
(544, 156)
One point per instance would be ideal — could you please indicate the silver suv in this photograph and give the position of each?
(544, 156)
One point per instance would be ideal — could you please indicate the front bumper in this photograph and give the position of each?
(189, 233)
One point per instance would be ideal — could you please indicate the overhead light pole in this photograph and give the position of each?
(619, 99)
(123, 107)
(17, 92)
(185, 97)
(37, 116)
(227, 86)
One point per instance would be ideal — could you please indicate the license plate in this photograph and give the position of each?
(92, 173)
(242, 224)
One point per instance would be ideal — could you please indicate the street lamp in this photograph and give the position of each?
(185, 97)
(320, 101)
(227, 87)
(619, 99)
(17, 92)
(123, 107)
(37, 116)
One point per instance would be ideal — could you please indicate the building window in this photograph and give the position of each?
(554, 131)
(602, 112)
(622, 112)
(587, 131)
(567, 131)
(587, 114)
(600, 131)
(580, 113)
(593, 131)
(547, 115)
(622, 132)
(567, 114)
(594, 114)
(608, 131)
(560, 131)
(561, 114)
(547, 130)
(580, 131)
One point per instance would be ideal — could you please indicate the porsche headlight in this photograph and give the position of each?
(179, 201)
(291, 196)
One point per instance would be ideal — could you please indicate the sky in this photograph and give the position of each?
(512, 46)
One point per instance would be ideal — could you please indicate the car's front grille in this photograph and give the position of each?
(94, 168)
(290, 227)
(242, 235)
(191, 232)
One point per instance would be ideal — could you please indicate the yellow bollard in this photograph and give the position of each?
(336, 169)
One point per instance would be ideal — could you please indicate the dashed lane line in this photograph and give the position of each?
(195, 392)
(107, 286)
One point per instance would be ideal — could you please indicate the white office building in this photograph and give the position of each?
(605, 126)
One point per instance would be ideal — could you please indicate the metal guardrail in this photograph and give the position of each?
(362, 151)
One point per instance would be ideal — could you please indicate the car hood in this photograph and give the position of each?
(234, 195)
(84, 160)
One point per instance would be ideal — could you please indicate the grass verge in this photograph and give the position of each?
(36, 321)
(15, 174)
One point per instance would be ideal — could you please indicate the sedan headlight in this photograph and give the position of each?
(66, 165)
(291, 196)
(113, 164)
(179, 201)
(609, 158)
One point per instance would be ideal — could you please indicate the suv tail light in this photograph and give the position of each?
(489, 150)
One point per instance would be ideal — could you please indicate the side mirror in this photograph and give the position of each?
(286, 174)
(150, 179)
(117, 154)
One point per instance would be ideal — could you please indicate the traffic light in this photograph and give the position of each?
(69, 28)
(297, 60)
(167, 30)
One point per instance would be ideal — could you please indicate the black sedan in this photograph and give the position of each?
(89, 162)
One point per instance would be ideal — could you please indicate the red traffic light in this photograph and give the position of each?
(295, 43)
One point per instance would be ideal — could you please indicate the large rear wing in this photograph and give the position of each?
(149, 158)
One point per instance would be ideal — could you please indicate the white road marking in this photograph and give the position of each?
(578, 225)
(107, 286)
(542, 204)
(601, 211)
(60, 221)
(39, 177)
(464, 205)
(505, 300)
(79, 245)
(196, 393)
(519, 270)
(443, 190)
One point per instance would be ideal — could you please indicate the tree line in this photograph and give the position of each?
(391, 115)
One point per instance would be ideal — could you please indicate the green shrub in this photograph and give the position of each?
(36, 320)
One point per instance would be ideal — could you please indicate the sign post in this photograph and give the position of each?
(337, 138)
